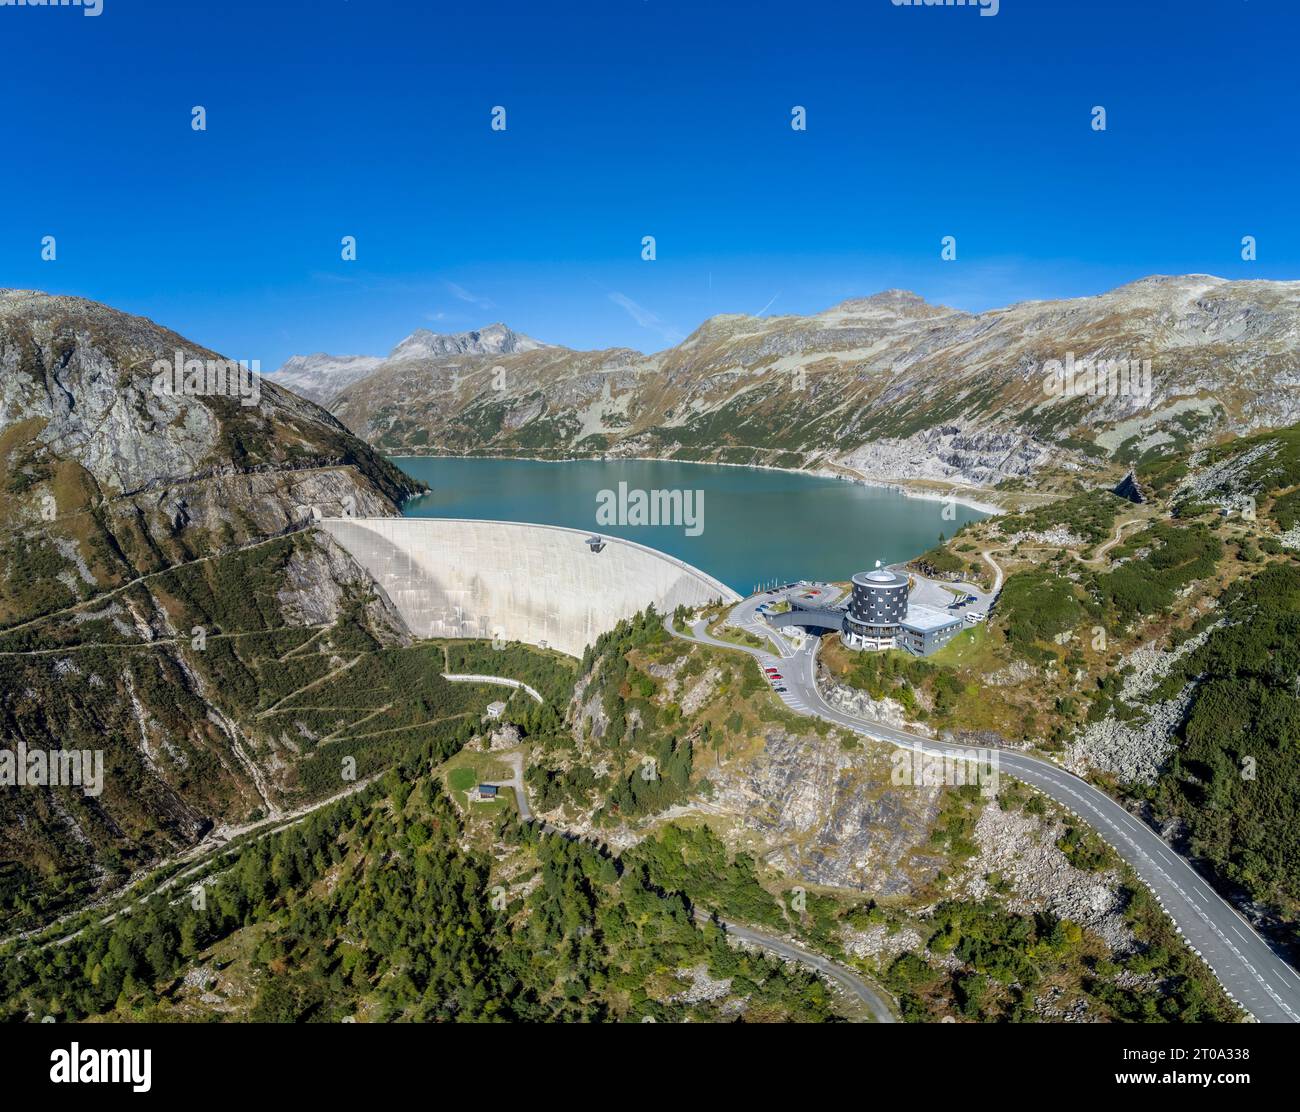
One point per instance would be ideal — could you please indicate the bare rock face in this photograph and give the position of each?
(318, 583)
(322, 377)
(1021, 849)
(830, 815)
(950, 453)
(495, 339)
(86, 374)
(319, 377)
(700, 691)
(80, 402)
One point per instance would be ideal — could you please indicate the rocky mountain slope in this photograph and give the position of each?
(495, 339)
(889, 873)
(889, 386)
(322, 377)
(319, 377)
(154, 562)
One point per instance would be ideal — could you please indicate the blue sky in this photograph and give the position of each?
(628, 118)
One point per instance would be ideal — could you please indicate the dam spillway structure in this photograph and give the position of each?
(513, 581)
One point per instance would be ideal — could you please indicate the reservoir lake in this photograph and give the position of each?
(755, 526)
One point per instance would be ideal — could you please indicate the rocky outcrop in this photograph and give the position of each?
(495, 339)
(1020, 850)
(860, 704)
(322, 377)
(829, 814)
(954, 454)
(319, 583)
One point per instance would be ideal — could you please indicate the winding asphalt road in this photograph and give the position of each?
(1260, 981)
(849, 981)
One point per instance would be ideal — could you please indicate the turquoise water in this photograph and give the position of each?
(757, 526)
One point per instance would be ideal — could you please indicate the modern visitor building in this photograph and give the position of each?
(876, 609)
(879, 617)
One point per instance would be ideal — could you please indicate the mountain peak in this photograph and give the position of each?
(320, 376)
(887, 303)
(495, 339)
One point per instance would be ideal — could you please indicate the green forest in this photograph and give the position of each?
(371, 909)
(1234, 779)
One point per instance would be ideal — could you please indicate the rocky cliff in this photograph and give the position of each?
(156, 580)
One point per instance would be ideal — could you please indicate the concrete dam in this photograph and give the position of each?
(541, 584)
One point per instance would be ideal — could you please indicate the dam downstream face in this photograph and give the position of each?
(756, 526)
(516, 581)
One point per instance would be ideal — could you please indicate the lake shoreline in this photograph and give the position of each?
(765, 524)
(821, 472)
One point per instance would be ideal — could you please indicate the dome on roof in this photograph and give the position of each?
(880, 579)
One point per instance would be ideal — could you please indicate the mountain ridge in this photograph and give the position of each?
(321, 376)
(889, 387)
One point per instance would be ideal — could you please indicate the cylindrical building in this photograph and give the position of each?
(876, 610)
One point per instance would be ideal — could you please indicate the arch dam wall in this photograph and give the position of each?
(452, 577)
